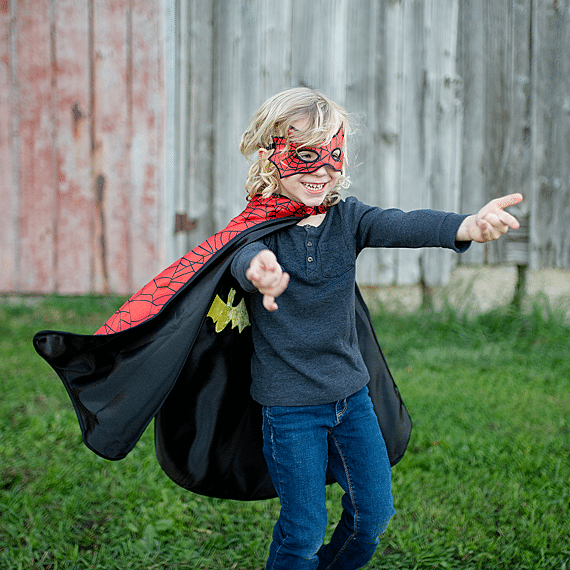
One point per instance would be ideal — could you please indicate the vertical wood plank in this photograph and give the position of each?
(512, 172)
(373, 79)
(147, 116)
(168, 41)
(264, 32)
(499, 113)
(558, 232)
(275, 48)
(36, 160)
(231, 88)
(200, 155)
(412, 192)
(248, 81)
(112, 114)
(550, 229)
(388, 134)
(8, 164)
(319, 52)
(538, 138)
(389, 108)
(184, 62)
(74, 197)
(443, 120)
(227, 42)
(472, 67)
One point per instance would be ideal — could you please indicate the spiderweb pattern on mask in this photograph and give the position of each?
(289, 163)
(150, 300)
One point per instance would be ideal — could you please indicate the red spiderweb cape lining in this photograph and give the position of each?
(150, 300)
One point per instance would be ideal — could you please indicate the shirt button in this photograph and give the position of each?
(309, 244)
(310, 259)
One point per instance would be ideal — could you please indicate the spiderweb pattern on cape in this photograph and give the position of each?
(150, 300)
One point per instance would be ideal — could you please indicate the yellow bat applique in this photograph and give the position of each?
(222, 313)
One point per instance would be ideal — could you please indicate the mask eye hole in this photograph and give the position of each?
(336, 154)
(307, 155)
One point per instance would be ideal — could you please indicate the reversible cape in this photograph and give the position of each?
(179, 351)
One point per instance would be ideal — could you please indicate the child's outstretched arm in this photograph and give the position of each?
(491, 222)
(268, 277)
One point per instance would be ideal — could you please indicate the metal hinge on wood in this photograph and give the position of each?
(182, 223)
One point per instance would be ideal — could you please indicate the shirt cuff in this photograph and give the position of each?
(449, 229)
(240, 264)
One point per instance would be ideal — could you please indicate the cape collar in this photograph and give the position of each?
(277, 206)
(151, 299)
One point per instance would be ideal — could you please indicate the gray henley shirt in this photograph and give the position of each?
(306, 352)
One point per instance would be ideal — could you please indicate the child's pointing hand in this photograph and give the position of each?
(491, 222)
(268, 277)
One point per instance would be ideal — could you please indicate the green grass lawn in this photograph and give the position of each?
(484, 484)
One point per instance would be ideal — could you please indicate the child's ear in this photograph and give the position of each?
(263, 153)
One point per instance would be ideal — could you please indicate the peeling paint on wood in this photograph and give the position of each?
(146, 139)
(112, 142)
(459, 102)
(74, 200)
(37, 196)
(8, 125)
(81, 115)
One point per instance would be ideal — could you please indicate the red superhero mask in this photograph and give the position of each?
(305, 160)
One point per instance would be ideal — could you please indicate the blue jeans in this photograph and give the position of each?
(300, 444)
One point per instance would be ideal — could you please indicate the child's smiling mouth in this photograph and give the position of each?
(314, 188)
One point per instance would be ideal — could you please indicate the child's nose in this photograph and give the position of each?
(322, 171)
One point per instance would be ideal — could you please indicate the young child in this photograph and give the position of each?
(307, 369)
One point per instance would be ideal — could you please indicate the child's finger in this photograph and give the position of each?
(509, 220)
(269, 303)
(483, 226)
(506, 218)
(499, 220)
(264, 269)
(282, 285)
(509, 200)
(267, 260)
(275, 287)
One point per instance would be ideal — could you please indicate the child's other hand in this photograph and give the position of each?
(268, 277)
(491, 222)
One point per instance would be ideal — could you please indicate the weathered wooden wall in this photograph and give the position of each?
(81, 123)
(457, 102)
(513, 58)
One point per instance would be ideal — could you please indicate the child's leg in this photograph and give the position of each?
(360, 464)
(296, 450)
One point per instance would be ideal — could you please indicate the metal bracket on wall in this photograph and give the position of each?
(182, 223)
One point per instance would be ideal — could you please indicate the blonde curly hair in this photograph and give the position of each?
(274, 119)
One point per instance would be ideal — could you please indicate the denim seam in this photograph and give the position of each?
(279, 477)
(349, 483)
(341, 413)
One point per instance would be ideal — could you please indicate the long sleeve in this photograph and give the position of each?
(241, 262)
(375, 227)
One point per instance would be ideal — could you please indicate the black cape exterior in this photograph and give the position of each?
(195, 381)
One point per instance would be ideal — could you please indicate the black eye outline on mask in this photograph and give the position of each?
(336, 154)
(312, 155)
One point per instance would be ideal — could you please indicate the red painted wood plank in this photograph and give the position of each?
(111, 136)
(147, 120)
(8, 193)
(36, 160)
(73, 147)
